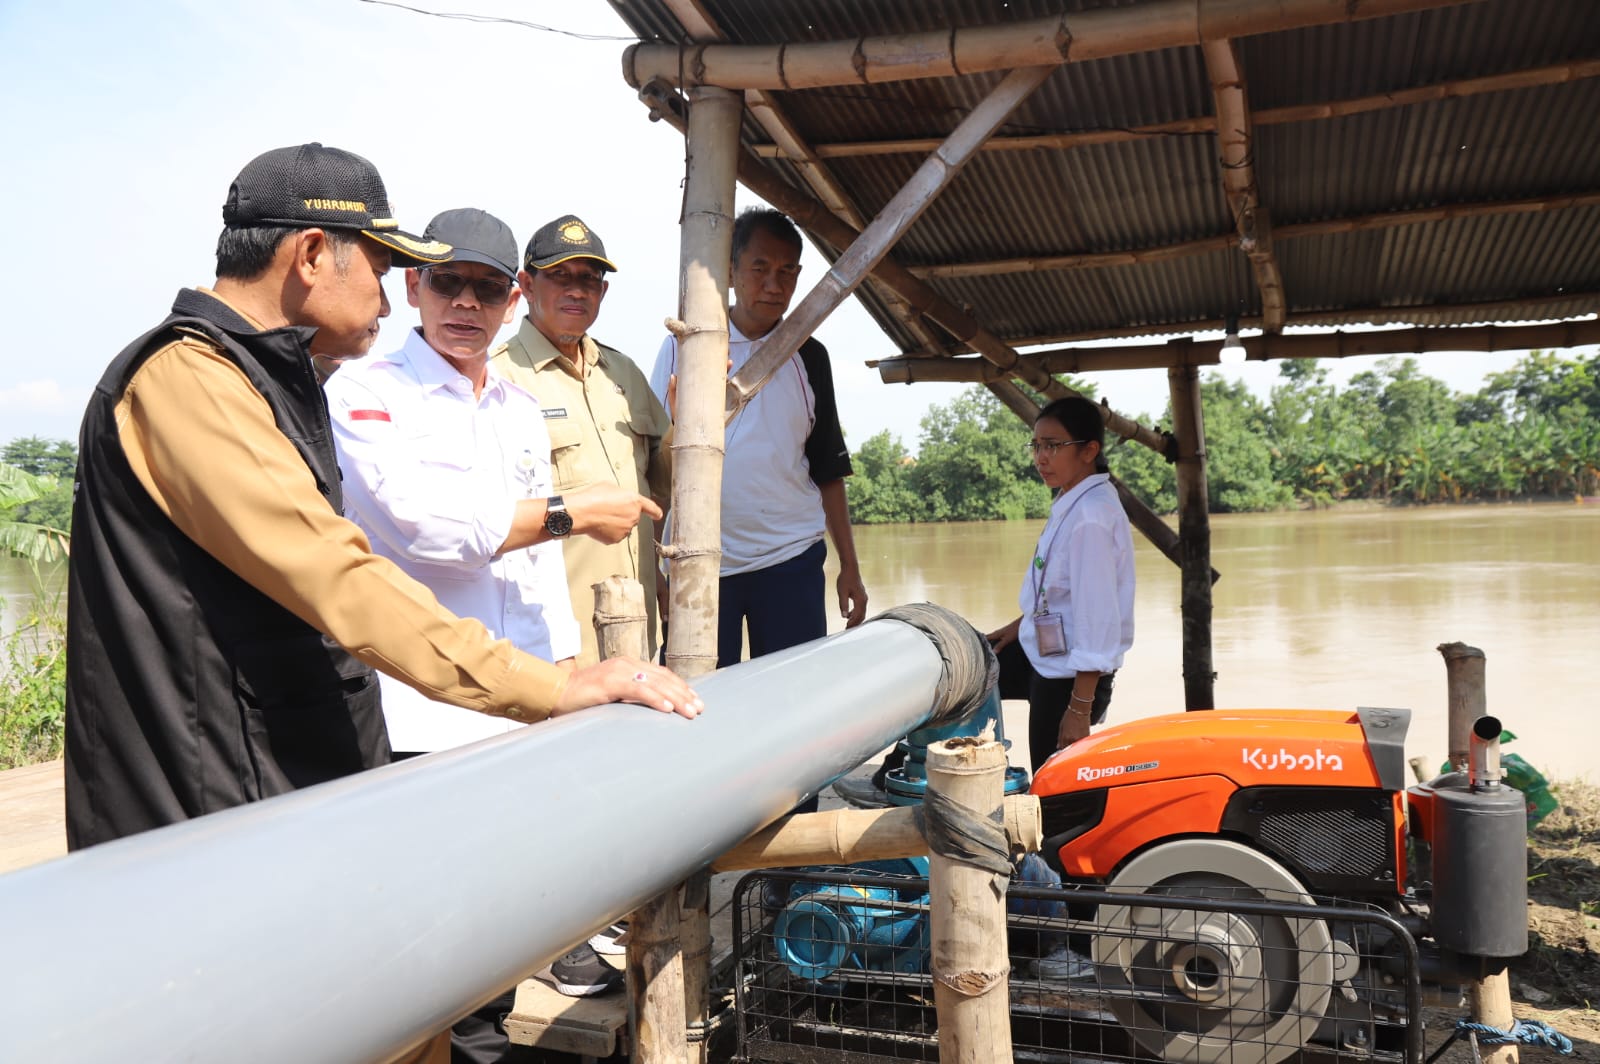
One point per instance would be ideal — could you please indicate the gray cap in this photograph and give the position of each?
(476, 236)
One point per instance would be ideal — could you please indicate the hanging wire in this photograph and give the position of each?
(469, 17)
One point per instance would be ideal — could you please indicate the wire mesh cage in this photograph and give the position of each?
(833, 965)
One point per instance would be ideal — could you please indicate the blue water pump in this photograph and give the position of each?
(908, 783)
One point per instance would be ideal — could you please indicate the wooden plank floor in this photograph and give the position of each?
(32, 816)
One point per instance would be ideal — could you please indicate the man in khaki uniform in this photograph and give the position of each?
(605, 425)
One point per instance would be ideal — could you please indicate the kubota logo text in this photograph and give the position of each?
(1262, 761)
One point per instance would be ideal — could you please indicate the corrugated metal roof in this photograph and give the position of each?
(1156, 192)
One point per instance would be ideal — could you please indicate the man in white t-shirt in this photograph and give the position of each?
(786, 460)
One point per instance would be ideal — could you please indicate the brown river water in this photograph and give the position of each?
(1334, 609)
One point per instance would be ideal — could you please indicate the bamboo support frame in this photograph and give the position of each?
(1096, 260)
(874, 242)
(1418, 340)
(1080, 36)
(967, 915)
(1194, 536)
(1250, 217)
(620, 618)
(812, 216)
(848, 836)
(1532, 77)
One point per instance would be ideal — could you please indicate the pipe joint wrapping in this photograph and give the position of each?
(969, 668)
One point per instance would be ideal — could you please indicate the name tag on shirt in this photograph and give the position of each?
(555, 411)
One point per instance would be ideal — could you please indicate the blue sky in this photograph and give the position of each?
(126, 122)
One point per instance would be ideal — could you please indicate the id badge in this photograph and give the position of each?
(1052, 633)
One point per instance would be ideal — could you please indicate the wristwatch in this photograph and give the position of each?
(557, 521)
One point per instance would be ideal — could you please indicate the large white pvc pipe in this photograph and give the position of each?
(346, 921)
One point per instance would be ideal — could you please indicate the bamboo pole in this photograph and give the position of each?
(874, 242)
(848, 836)
(1194, 534)
(1251, 218)
(620, 618)
(1464, 680)
(669, 1010)
(1533, 77)
(1187, 352)
(1080, 36)
(967, 915)
(812, 216)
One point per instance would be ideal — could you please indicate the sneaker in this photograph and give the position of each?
(1064, 964)
(862, 793)
(611, 940)
(581, 973)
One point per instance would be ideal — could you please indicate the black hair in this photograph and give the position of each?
(1082, 419)
(244, 254)
(765, 219)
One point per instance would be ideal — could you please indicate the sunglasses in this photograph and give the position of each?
(565, 279)
(491, 291)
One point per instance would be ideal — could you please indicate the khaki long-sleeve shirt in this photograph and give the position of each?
(606, 426)
(204, 445)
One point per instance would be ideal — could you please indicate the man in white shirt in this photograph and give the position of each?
(447, 469)
(784, 466)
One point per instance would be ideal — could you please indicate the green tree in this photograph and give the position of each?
(880, 491)
(36, 542)
(1239, 454)
(974, 464)
(41, 457)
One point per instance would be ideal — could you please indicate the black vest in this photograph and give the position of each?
(189, 691)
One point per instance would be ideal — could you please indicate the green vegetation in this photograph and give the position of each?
(1393, 435)
(35, 514)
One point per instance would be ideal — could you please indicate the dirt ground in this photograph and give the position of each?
(1558, 980)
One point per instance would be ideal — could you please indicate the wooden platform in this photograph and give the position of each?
(32, 816)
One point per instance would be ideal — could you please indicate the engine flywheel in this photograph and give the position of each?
(1198, 986)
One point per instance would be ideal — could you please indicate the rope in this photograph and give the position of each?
(1521, 1032)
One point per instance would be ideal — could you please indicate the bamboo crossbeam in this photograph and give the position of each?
(848, 836)
(808, 213)
(1251, 218)
(1095, 260)
(1419, 340)
(874, 242)
(1527, 308)
(1533, 77)
(1053, 40)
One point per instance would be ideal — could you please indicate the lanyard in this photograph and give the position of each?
(1040, 605)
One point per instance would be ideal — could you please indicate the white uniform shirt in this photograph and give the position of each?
(771, 509)
(1087, 578)
(433, 477)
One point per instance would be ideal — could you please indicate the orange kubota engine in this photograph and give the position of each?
(1305, 809)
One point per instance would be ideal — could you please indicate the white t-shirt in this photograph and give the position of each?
(771, 509)
(433, 476)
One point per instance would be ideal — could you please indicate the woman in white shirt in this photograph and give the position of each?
(1077, 594)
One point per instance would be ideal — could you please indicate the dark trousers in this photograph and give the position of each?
(1047, 700)
(781, 606)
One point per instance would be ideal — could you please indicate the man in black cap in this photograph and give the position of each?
(606, 427)
(214, 586)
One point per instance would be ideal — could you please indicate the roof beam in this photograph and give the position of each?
(1206, 245)
(769, 114)
(1526, 308)
(1533, 77)
(1186, 352)
(1250, 217)
(1056, 39)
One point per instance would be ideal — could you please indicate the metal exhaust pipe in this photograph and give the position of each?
(1483, 754)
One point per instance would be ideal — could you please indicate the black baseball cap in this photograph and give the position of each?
(476, 236)
(311, 186)
(565, 238)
